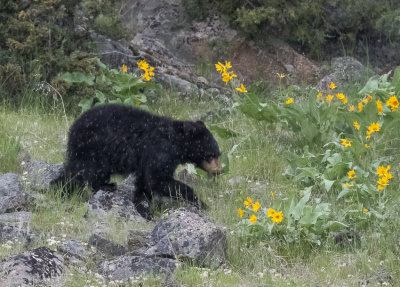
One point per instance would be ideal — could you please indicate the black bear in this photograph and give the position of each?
(117, 139)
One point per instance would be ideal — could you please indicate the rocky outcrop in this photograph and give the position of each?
(346, 70)
(131, 266)
(39, 175)
(162, 34)
(12, 194)
(184, 233)
(40, 267)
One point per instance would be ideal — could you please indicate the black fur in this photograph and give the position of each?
(116, 139)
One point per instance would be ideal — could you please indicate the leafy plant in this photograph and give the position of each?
(111, 86)
(349, 145)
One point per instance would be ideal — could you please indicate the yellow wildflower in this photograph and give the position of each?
(365, 210)
(332, 86)
(352, 108)
(253, 219)
(281, 75)
(148, 71)
(124, 68)
(393, 102)
(360, 107)
(248, 202)
(368, 134)
(344, 100)
(228, 65)
(329, 98)
(382, 171)
(352, 174)
(289, 101)
(227, 76)
(143, 65)
(367, 99)
(340, 96)
(380, 187)
(374, 127)
(356, 125)
(319, 96)
(345, 142)
(220, 67)
(383, 180)
(277, 217)
(379, 106)
(271, 212)
(240, 211)
(348, 185)
(151, 71)
(256, 206)
(242, 89)
(272, 194)
(367, 146)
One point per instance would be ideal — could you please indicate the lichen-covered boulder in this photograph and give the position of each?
(12, 194)
(75, 249)
(106, 247)
(187, 233)
(40, 267)
(119, 202)
(9, 232)
(132, 266)
(40, 175)
(345, 70)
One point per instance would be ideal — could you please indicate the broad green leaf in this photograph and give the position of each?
(101, 97)
(334, 226)
(224, 133)
(77, 77)
(344, 192)
(335, 159)
(396, 79)
(328, 183)
(85, 104)
(297, 212)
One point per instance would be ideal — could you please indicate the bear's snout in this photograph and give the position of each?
(213, 167)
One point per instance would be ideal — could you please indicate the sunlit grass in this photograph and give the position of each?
(257, 164)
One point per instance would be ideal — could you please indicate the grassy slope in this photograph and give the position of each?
(257, 166)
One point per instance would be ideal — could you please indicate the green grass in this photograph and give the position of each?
(256, 168)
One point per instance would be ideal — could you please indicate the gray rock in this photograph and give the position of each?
(133, 266)
(40, 267)
(12, 194)
(118, 202)
(20, 218)
(107, 205)
(346, 70)
(10, 232)
(40, 175)
(188, 234)
(106, 247)
(113, 53)
(75, 248)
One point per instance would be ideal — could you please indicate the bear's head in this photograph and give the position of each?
(201, 148)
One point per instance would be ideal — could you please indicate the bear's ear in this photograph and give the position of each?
(201, 123)
(193, 128)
